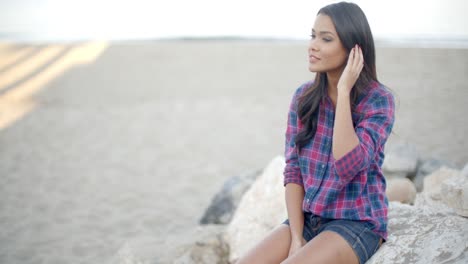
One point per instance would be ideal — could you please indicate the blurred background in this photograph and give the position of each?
(119, 120)
(59, 20)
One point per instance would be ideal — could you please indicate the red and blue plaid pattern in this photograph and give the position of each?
(352, 187)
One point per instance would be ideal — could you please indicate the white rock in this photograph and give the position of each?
(401, 190)
(225, 202)
(400, 159)
(464, 171)
(126, 255)
(429, 205)
(208, 246)
(428, 166)
(455, 194)
(433, 182)
(423, 237)
(430, 199)
(261, 209)
(417, 234)
(201, 244)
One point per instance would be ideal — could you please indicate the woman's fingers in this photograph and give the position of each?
(351, 57)
(356, 60)
(361, 59)
(356, 56)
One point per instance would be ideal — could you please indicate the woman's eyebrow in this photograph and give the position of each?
(323, 32)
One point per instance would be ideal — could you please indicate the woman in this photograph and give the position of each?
(337, 128)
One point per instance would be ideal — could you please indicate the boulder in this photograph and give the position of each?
(422, 236)
(401, 190)
(401, 160)
(433, 182)
(429, 232)
(261, 209)
(464, 171)
(208, 246)
(201, 244)
(455, 194)
(427, 204)
(225, 202)
(427, 167)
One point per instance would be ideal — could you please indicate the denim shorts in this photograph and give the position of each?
(357, 233)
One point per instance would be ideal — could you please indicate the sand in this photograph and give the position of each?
(130, 144)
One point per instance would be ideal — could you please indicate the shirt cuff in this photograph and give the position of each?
(293, 180)
(350, 164)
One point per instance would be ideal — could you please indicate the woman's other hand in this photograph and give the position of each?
(296, 244)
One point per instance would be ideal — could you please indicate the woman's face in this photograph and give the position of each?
(326, 53)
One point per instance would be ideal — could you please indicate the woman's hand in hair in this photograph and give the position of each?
(351, 71)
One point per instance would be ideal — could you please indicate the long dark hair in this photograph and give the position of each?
(352, 28)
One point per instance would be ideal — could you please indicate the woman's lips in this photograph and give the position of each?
(313, 59)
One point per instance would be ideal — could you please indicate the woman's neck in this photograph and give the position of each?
(332, 81)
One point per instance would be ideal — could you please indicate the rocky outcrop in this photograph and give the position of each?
(455, 194)
(433, 230)
(427, 167)
(208, 246)
(464, 171)
(433, 182)
(260, 210)
(401, 161)
(428, 232)
(225, 202)
(200, 245)
(422, 236)
(401, 190)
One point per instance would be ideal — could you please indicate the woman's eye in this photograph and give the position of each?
(327, 39)
(312, 36)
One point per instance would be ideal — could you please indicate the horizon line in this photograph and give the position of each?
(404, 41)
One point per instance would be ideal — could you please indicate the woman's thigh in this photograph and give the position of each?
(274, 248)
(339, 241)
(326, 247)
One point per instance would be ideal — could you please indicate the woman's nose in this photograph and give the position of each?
(313, 45)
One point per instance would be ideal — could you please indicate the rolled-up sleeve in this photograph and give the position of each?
(292, 172)
(373, 131)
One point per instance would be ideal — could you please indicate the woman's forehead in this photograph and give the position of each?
(323, 23)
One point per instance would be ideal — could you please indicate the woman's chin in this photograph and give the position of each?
(313, 68)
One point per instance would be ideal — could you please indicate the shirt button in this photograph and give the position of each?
(323, 166)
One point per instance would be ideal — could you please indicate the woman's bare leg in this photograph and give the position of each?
(274, 248)
(327, 247)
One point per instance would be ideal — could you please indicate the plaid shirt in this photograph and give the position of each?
(352, 187)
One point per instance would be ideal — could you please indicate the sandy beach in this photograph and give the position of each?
(108, 144)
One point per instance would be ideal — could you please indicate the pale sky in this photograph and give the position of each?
(116, 19)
